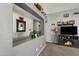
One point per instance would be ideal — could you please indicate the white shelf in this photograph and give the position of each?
(31, 5)
(23, 12)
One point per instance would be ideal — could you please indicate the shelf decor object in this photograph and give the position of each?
(38, 6)
(71, 22)
(59, 23)
(21, 25)
(21, 18)
(75, 13)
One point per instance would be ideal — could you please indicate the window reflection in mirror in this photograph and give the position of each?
(38, 29)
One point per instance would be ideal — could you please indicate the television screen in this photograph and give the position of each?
(71, 30)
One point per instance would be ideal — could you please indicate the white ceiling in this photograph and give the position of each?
(58, 7)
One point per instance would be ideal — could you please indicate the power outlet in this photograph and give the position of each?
(36, 49)
(40, 45)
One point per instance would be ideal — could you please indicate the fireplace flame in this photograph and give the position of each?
(68, 43)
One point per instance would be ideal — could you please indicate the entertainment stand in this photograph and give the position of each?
(74, 39)
(68, 34)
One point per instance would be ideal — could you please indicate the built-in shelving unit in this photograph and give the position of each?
(32, 6)
(29, 11)
(62, 23)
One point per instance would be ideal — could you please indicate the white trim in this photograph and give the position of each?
(41, 50)
(48, 41)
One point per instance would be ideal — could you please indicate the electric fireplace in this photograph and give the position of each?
(68, 33)
(68, 42)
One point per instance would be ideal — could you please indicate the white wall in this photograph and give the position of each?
(6, 29)
(30, 48)
(53, 18)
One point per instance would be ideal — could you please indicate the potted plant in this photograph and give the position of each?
(38, 6)
(33, 34)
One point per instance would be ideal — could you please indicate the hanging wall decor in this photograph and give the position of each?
(66, 15)
(21, 25)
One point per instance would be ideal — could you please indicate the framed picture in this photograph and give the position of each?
(21, 25)
(66, 15)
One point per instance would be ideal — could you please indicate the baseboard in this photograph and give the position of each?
(41, 50)
(48, 41)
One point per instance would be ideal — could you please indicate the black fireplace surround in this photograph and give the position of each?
(73, 39)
